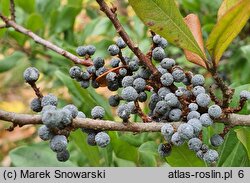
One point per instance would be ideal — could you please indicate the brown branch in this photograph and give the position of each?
(227, 92)
(47, 44)
(145, 118)
(120, 30)
(12, 10)
(26, 119)
(36, 90)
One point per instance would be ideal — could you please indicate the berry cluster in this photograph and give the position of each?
(57, 122)
(179, 96)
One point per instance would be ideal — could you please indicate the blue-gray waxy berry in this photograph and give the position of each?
(72, 108)
(129, 94)
(198, 90)
(31, 74)
(133, 65)
(49, 99)
(161, 107)
(113, 50)
(196, 124)
(81, 50)
(167, 63)
(58, 143)
(176, 139)
(114, 100)
(175, 114)
(163, 91)
(91, 139)
(178, 75)
(97, 112)
(111, 76)
(245, 94)
(158, 54)
(114, 62)
(80, 114)
(63, 155)
(167, 130)
(98, 62)
(139, 84)
(123, 72)
(164, 150)
(206, 120)
(51, 118)
(35, 105)
(123, 111)
(120, 43)
(210, 156)
(127, 81)
(214, 111)
(142, 97)
(75, 72)
(171, 99)
(203, 99)
(84, 84)
(90, 49)
(198, 80)
(186, 131)
(216, 140)
(44, 133)
(193, 114)
(167, 79)
(193, 107)
(195, 144)
(102, 139)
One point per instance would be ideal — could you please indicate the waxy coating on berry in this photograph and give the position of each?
(31, 74)
(49, 99)
(44, 133)
(129, 94)
(102, 139)
(186, 131)
(195, 144)
(35, 105)
(97, 112)
(216, 140)
(58, 143)
(214, 111)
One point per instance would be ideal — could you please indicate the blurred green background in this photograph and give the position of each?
(70, 23)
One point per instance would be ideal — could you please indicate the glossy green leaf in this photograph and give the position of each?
(122, 149)
(36, 155)
(181, 156)
(27, 5)
(232, 152)
(243, 134)
(147, 154)
(10, 62)
(227, 28)
(90, 152)
(35, 22)
(164, 18)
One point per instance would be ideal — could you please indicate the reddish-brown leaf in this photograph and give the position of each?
(194, 25)
(101, 80)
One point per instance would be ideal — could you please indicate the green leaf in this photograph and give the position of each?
(122, 149)
(27, 5)
(90, 152)
(10, 62)
(164, 18)
(243, 134)
(181, 156)
(36, 155)
(35, 22)
(147, 154)
(232, 152)
(227, 28)
(66, 18)
(225, 6)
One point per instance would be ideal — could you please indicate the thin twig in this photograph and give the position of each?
(44, 42)
(145, 118)
(26, 119)
(36, 90)
(120, 30)
(12, 10)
